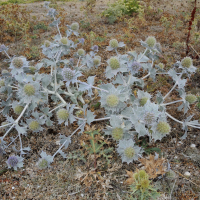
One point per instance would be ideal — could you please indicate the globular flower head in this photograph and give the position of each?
(129, 152)
(95, 48)
(47, 43)
(114, 63)
(12, 161)
(190, 98)
(81, 52)
(97, 60)
(34, 125)
(161, 65)
(64, 41)
(2, 82)
(163, 127)
(75, 26)
(17, 62)
(18, 109)
(186, 62)
(112, 100)
(142, 174)
(42, 163)
(113, 43)
(68, 74)
(145, 183)
(62, 114)
(117, 133)
(4, 71)
(151, 41)
(134, 67)
(143, 101)
(29, 89)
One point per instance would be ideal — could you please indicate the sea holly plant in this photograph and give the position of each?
(27, 94)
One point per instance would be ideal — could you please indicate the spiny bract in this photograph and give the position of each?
(29, 90)
(12, 161)
(114, 63)
(117, 133)
(63, 114)
(68, 73)
(64, 41)
(186, 62)
(17, 62)
(113, 43)
(163, 127)
(129, 152)
(143, 101)
(34, 125)
(75, 26)
(151, 41)
(81, 52)
(18, 109)
(112, 100)
(42, 164)
(190, 98)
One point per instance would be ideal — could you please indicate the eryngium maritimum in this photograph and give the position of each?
(129, 152)
(12, 161)
(186, 62)
(68, 74)
(64, 41)
(81, 52)
(18, 109)
(143, 101)
(29, 90)
(149, 118)
(75, 26)
(113, 43)
(112, 100)
(151, 41)
(34, 125)
(17, 62)
(163, 128)
(190, 98)
(117, 133)
(114, 63)
(42, 164)
(62, 114)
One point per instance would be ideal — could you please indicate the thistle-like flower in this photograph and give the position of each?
(29, 90)
(15, 162)
(128, 151)
(163, 128)
(117, 133)
(47, 43)
(113, 100)
(17, 62)
(134, 67)
(114, 63)
(64, 41)
(161, 65)
(75, 26)
(190, 98)
(113, 43)
(44, 161)
(18, 109)
(151, 41)
(62, 114)
(186, 62)
(34, 125)
(81, 52)
(97, 61)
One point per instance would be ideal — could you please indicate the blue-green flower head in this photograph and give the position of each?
(134, 67)
(17, 65)
(128, 150)
(163, 127)
(70, 76)
(15, 162)
(29, 89)
(45, 161)
(114, 63)
(35, 124)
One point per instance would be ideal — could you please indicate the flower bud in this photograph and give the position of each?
(114, 63)
(129, 152)
(18, 109)
(151, 41)
(81, 52)
(34, 125)
(112, 100)
(186, 62)
(190, 98)
(17, 62)
(64, 41)
(62, 114)
(113, 43)
(75, 26)
(117, 133)
(163, 128)
(29, 90)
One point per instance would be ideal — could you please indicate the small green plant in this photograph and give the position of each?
(40, 25)
(141, 189)
(120, 8)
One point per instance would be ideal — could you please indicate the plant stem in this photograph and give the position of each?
(165, 104)
(142, 55)
(170, 91)
(146, 76)
(67, 139)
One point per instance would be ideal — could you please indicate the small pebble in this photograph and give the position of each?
(192, 145)
(187, 174)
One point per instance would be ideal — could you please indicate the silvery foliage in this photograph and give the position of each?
(123, 107)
